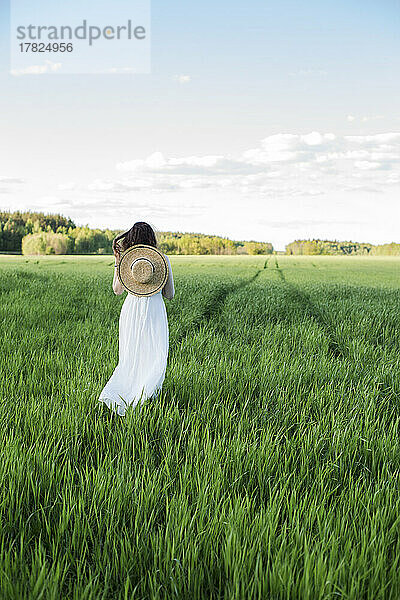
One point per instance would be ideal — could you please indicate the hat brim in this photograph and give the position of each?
(160, 274)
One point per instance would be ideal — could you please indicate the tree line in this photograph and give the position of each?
(37, 233)
(335, 247)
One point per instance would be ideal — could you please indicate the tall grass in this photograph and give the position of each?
(267, 468)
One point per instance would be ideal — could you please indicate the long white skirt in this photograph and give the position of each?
(143, 353)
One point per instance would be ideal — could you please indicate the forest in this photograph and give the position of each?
(335, 248)
(37, 233)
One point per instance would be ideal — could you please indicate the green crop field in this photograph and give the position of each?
(269, 467)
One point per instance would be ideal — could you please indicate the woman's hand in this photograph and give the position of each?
(116, 254)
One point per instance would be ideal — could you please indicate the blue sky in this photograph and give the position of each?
(228, 82)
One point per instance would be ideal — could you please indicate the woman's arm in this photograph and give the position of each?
(168, 290)
(117, 286)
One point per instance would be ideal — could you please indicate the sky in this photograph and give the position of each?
(261, 120)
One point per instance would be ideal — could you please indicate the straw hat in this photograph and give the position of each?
(142, 270)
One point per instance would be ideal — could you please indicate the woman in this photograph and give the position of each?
(143, 333)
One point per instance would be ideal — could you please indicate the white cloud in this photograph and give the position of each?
(373, 118)
(48, 67)
(9, 180)
(100, 185)
(66, 187)
(182, 78)
(376, 139)
(367, 165)
(297, 164)
(393, 179)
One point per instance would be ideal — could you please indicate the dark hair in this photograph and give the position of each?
(139, 233)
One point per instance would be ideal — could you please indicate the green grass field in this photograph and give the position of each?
(267, 469)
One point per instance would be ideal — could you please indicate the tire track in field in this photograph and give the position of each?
(309, 308)
(215, 305)
(387, 391)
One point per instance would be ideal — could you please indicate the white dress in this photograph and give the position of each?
(143, 353)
